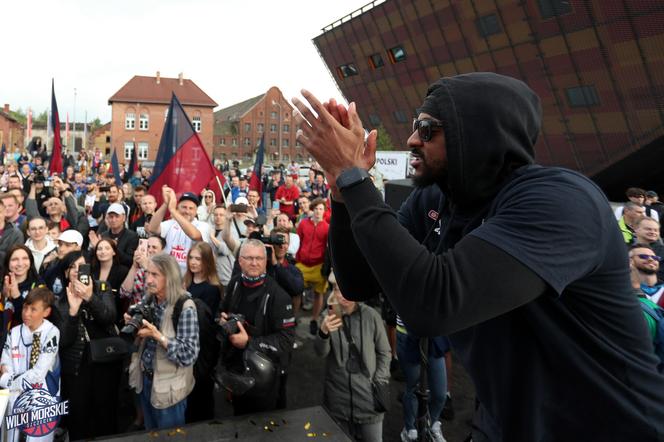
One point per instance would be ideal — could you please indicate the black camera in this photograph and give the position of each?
(230, 327)
(138, 312)
(274, 239)
(40, 174)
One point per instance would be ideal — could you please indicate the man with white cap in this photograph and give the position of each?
(126, 240)
(69, 241)
(183, 229)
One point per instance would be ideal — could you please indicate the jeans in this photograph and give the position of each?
(436, 379)
(154, 418)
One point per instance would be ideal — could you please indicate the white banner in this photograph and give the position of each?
(393, 165)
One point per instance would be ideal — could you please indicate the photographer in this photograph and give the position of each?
(281, 265)
(162, 369)
(86, 314)
(264, 332)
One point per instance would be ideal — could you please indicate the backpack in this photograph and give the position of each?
(657, 314)
(207, 335)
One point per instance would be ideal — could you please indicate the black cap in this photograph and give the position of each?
(189, 196)
(651, 194)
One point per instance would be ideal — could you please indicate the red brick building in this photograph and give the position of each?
(597, 65)
(139, 110)
(238, 130)
(12, 133)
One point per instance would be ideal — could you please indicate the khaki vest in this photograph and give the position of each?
(171, 383)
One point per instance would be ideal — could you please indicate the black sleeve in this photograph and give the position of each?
(290, 279)
(102, 307)
(460, 288)
(67, 324)
(278, 342)
(129, 245)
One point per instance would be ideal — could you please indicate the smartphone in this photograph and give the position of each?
(143, 246)
(275, 205)
(238, 208)
(84, 273)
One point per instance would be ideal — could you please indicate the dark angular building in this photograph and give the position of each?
(598, 66)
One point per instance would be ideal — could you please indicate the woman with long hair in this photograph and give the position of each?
(19, 277)
(202, 282)
(106, 267)
(86, 313)
(201, 279)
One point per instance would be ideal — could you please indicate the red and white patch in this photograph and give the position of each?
(433, 215)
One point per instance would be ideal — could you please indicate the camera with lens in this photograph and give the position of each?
(40, 175)
(230, 327)
(274, 239)
(138, 312)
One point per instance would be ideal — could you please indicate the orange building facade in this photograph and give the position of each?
(139, 111)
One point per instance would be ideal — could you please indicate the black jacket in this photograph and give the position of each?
(523, 266)
(288, 277)
(271, 333)
(96, 317)
(127, 242)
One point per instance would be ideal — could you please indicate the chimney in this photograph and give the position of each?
(158, 77)
(180, 78)
(6, 108)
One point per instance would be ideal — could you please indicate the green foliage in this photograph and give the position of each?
(19, 115)
(41, 118)
(384, 141)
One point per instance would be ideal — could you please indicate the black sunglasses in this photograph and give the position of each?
(425, 128)
(646, 256)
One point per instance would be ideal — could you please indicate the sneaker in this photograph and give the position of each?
(313, 327)
(437, 432)
(408, 435)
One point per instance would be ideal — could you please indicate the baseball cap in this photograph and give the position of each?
(71, 236)
(249, 221)
(241, 200)
(651, 194)
(116, 208)
(189, 196)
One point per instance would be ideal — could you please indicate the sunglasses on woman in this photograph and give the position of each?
(425, 128)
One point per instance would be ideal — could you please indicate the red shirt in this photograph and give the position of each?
(291, 194)
(313, 241)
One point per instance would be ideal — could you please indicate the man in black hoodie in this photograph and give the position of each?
(522, 266)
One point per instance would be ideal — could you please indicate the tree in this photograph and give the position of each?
(41, 118)
(19, 115)
(384, 141)
(95, 124)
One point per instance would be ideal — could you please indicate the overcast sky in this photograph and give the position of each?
(232, 49)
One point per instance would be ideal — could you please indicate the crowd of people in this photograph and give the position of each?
(197, 293)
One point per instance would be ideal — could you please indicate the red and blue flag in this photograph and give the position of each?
(255, 182)
(182, 162)
(55, 163)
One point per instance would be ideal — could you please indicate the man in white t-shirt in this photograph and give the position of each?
(183, 229)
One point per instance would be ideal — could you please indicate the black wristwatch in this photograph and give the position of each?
(351, 177)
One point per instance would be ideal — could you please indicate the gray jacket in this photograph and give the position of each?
(76, 219)
(11, 236)
(368, 333)
(225, 259)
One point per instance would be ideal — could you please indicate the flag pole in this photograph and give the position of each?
(221, 189)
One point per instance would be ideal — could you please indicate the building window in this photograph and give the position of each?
(347, 70)
(285, 157)
(298, 145)
(108, 138)
(247, 141)
(376, 61)
(234, 142)
(273, 141)
(285, 127)
(143, 122)
(582, 96)
(374, 119)
(285, 142)
(128, 147)
(234, 156)
(273, 115)
(397, 54)
(275, 156)
(247, 127)
(130, 121)
(247, 156)
(260, 127)
(554, 8)
(196, 122)
(400, 116)
(222, 141)
(143, 149)
(299, 157)
(273, 128)
(488, 25)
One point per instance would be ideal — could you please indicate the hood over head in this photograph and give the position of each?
(491, 123)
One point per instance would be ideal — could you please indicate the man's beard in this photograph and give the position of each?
(646, 271)
(428, 175)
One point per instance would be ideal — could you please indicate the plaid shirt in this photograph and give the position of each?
(183, 349)
(138, 290)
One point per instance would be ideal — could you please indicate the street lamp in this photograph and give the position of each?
(274, 103)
